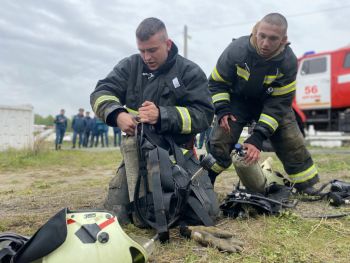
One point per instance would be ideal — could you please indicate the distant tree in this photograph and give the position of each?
(48, 120)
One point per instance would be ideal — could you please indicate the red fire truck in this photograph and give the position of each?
(323, 89)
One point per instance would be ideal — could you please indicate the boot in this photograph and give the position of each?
(307, 187)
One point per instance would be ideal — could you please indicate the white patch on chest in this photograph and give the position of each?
(176, 83)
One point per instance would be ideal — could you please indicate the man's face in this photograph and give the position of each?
(154, 51)
(270, 38)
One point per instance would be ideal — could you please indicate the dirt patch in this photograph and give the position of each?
(42, 193)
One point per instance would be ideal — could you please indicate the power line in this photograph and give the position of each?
(254, 21)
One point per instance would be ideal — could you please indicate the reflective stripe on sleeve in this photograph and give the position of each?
(278, 91)
(217, 168)
(186, 119)
(221, 96)
(102, 99)
(217, 77)
(242, 73)
(269, 121)
(304, 175)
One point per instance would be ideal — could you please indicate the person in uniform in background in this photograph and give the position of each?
(117, 136)
(88, 129)
(78, 126)
(61, 127)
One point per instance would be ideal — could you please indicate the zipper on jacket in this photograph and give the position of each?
(148, 75)
(246, 67)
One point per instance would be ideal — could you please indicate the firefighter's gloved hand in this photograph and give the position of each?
(214, 237)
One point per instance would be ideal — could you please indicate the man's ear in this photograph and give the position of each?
(169, 44)
(284, 40)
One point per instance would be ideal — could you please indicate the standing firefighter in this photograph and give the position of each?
(157, 87)
(254, 79)
(61, 127)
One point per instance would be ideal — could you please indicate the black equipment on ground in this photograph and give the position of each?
(243, 203)
(338, 194)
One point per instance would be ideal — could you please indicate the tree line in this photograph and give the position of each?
(49, 121)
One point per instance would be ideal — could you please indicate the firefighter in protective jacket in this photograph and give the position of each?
(158, 87)
(254, 80)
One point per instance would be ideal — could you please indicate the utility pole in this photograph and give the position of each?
(185, 41)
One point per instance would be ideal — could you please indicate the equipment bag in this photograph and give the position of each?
(171, 197)
(75, 236)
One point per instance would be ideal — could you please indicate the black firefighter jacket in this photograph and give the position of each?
(265, 86)
(179, 88)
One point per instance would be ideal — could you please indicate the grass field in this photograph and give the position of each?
(34, 185)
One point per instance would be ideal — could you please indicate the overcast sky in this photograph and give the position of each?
(52, 53)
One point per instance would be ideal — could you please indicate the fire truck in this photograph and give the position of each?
(323, 89)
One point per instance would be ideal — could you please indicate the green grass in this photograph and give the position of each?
(43, 158)
(37, 184)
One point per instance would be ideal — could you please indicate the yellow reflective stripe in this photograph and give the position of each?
(184, 151)
(131, 111)
(242, 73)
(284, 90)
(217, 77)
(221, 96)
(269, 121)
(102, 99)
(186, 119)
(217, 168)
(305, 175)
(280, 75)
(269, 79)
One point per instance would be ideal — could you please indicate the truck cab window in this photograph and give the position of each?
(347, 61)
(313, 66)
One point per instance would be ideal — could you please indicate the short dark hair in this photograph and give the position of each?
(276, 19)
(148, 27)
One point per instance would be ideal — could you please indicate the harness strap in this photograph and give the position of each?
(6, 251)
(200, 212)
(158, 202)
(14, 243)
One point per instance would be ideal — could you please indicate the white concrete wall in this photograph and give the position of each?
(16, 127)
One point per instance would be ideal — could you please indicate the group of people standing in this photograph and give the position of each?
(89, 131)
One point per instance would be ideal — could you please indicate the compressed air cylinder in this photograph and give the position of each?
(251, 176)
(131, 160)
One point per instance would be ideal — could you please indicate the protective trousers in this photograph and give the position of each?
(287, 141)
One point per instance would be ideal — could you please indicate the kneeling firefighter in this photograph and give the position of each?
(255, 80)
(159, 88)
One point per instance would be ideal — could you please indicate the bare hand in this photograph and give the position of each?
(148, 113)
(252, 154)
(127, 123)
(224, 122)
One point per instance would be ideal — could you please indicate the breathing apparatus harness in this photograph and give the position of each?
(168, 185)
